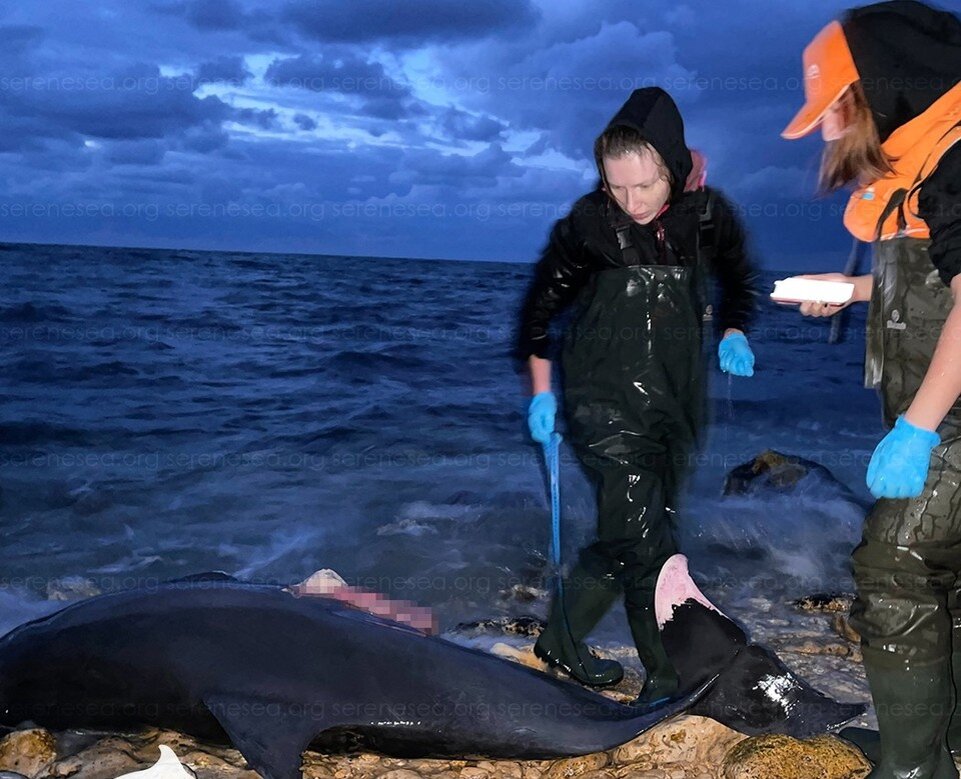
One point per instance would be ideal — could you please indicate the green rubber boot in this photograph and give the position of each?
(561, 644)
(661, 684)
(913, 705)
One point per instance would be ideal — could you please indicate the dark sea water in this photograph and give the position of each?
(168, 412)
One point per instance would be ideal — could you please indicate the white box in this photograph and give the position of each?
(798, 290)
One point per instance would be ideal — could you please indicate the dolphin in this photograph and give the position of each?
(754, 691)
(274, 673)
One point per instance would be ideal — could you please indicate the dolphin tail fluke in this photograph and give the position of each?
(699, 639)
(757, 694)
(270, 735)
(868, 741)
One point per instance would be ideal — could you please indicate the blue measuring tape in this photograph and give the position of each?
(552, 457)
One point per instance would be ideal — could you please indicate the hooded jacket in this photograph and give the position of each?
(585, 241)
(908, 56)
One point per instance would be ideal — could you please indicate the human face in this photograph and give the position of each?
(833, 125)
(637, 185)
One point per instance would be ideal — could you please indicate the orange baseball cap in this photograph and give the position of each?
(829, 69)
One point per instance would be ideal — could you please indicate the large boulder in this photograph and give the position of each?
(28, 752)
(783, 757)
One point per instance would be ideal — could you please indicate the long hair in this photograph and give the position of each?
(620, 141)
(856, 157)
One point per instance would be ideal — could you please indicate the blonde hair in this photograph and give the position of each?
(856, 157)
(621, 141)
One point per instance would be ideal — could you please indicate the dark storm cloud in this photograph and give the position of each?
(266, 119)
(139, 152)
(467, 127)
(346, 71)
(214, 14)
(567, 89)
(337, 69)
(368, 20)
(230, 69)
(304, 122)
(134, 102)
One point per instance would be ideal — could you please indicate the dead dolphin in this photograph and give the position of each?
(754, 692)
(272, 673)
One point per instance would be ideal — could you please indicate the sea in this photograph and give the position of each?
(167, 412)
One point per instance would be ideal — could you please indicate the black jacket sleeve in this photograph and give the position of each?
(737, 278)
(939, 205)
(560, 273)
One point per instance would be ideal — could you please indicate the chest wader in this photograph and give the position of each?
(635, 400)
(908, 609)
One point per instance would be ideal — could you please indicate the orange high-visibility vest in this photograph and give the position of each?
(888, 208)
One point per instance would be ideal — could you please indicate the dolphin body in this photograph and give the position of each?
(753, 692)
(273, 674)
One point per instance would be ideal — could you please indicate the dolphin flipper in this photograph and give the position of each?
(271, 736)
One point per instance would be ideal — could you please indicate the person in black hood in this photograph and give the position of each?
(884, 85)
(634, 257)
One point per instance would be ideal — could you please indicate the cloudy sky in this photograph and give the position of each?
(418, 128)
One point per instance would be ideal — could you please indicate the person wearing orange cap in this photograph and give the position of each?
(882, 84)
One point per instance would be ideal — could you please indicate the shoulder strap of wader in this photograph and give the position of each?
(896, 202)
(706, 243)
(626, 245)
(622, 228)
(706, 252)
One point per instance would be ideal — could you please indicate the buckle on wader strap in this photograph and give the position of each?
(706, 252)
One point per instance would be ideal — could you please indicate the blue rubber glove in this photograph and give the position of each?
(900, 462)
(735, 355)
(540, 416)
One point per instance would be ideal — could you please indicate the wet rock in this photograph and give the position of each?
(684, 742)
(821, 648)
(769, 469)
(502, 769)
(773, 471)
(783, 757)
(576, 766)
(71, 588)
(29, 752)
(521, 656)
(824, 602)
(113, 756)
(11, 775)
(843, 628)
(523, 593)
(515, 626)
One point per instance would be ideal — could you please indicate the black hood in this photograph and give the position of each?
(908, 55)
(653, 113)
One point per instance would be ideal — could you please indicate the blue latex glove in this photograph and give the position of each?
(540, 416)
(735, 355)
(900, 462)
